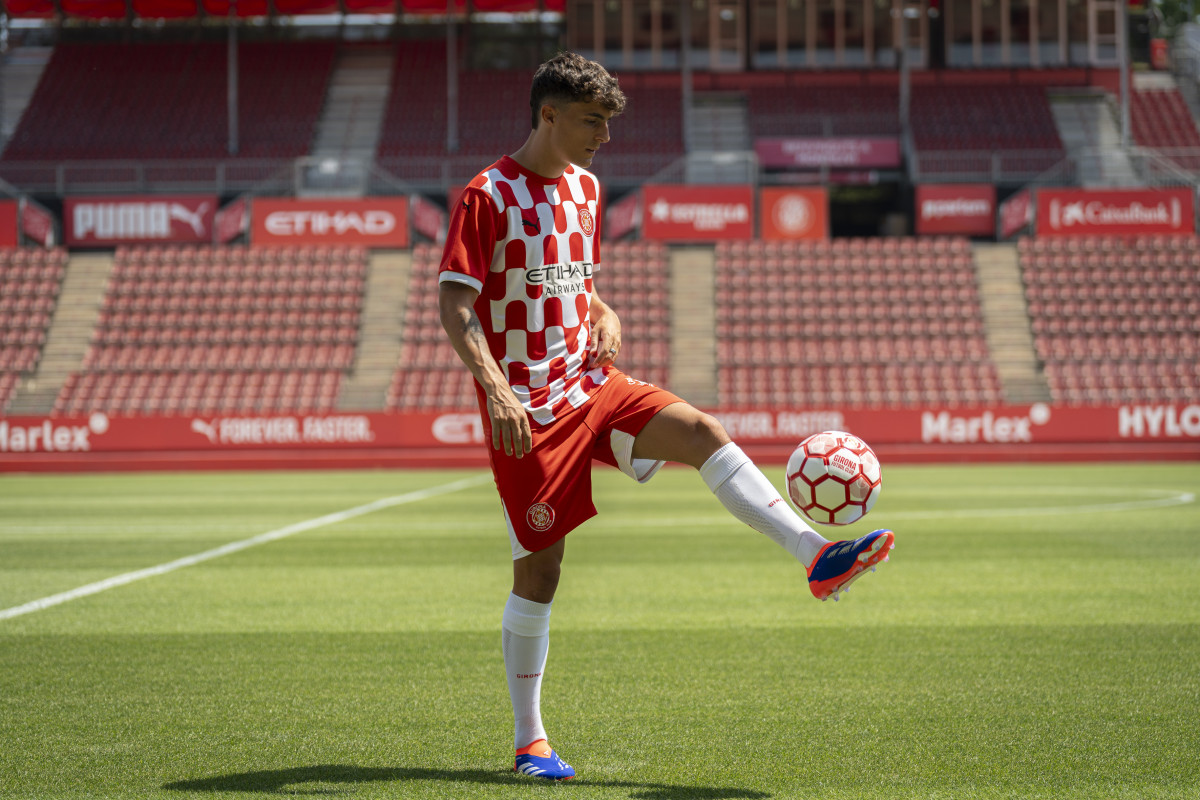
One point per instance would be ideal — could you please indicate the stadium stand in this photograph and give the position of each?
(493, 119)
(811, 109)
(414, 125)
(30, 282)
(854, 322)
(962, 129)
(1160, 118)
(648, 136)
(430, 376)
(186, 330)
(168, 101)
(1115, 319)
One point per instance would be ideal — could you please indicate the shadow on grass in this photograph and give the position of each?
(318, 780)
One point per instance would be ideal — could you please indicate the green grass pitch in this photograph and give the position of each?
(1035, 635)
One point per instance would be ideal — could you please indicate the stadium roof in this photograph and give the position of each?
(187, 9)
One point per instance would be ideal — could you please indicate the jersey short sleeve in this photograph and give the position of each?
(475, 227)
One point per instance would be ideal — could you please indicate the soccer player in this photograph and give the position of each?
(519, 301)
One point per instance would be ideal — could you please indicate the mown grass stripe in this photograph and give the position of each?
(235, 547)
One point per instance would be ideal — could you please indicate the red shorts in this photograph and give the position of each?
(548, 492)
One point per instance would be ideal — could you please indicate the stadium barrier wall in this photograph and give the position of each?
(1040, 432)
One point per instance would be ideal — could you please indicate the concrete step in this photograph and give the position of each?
(365, 389)
(693, 325)
(1088, 128)
(355, 104)
(67, 341)
(1006, 320)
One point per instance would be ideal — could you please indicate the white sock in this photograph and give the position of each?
(526, 642)
(745, 491)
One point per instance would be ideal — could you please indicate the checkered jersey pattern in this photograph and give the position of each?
(529, 245)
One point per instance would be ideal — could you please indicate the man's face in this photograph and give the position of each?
(579, 130)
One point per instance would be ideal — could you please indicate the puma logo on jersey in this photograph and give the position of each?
(531, 223)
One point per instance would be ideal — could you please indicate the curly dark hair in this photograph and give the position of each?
(571, 78)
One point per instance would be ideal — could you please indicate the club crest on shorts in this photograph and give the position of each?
(540, 517)
(585, 221)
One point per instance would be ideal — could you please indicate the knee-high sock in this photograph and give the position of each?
(748, 495)
(526, 642)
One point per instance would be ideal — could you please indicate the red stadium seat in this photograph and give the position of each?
(189, 347)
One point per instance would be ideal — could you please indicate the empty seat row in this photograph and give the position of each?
(858, 385)
(168, 256)
(1119, 245)
(846, 246)
(191, 392)
(254, 356)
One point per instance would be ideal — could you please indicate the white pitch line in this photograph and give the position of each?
(234, 547)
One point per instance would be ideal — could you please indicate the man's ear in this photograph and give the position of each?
(548, 113)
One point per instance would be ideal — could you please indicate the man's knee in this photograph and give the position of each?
(535, 577)
(711, 428)
(707, 434)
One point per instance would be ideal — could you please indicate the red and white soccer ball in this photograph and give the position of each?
(833, 478)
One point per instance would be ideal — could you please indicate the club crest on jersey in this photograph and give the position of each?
(585, 222)
(540, 517)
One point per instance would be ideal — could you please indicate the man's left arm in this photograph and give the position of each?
(605, 341)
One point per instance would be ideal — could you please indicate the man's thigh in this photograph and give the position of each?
(680, 433)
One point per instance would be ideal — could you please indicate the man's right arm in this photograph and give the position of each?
(510, 423)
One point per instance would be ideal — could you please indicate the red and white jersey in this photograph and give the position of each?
(529, 245)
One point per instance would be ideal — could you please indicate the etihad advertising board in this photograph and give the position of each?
(374, 222)
(158, 219)
(967, 209)
(1076, 212)
(673, 213)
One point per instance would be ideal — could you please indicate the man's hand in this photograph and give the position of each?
(510, 423)
(604, 344)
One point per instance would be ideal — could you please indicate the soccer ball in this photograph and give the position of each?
(833, 478)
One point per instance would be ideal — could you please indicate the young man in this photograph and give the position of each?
(517, 300)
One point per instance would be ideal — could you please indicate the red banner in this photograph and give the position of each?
(94, 9)
(232, 221)
(242, 8)
(37, 225)
(1074, 212)
(964, 209)
(139, 220)
(179, 9)
(697, 213)
(429, 220)
(1016, 213)
(623, 216)
(8, 223)
(26, 9)
(375, 222)
(808, 152)
(1038, 424)
(794, 213)
(165, 9)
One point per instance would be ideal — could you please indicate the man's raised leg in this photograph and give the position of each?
(686, 435)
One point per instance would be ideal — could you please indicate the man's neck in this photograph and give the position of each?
(538, 159)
